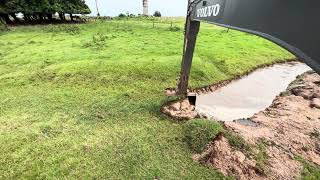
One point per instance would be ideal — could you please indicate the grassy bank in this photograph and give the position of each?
(83, 102)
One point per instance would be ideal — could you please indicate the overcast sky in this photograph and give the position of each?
(115, 7)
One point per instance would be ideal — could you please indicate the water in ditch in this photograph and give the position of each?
(253, 93)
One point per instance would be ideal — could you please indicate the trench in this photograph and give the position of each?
(242, 98)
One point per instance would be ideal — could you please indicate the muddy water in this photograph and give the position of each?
(249, 95)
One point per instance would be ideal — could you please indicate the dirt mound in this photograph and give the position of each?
(230, 162)
(180, 110)
(290, 127)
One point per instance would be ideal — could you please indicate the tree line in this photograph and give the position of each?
(41, 10)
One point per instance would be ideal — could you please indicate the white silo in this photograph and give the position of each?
(145, 7)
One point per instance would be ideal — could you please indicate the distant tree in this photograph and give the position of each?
(157, 14)
(121, 15)
(13, 6)
(6, 8)
(41, 9)
(3, 26)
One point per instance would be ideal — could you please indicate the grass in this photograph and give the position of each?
(237, 142)
(72, 109)
(310, 171)
(200, 132)
(3, 26)
(70, 29)
(262, 157)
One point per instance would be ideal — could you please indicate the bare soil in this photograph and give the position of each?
(220, 155)
(180, 110)
(290, 127)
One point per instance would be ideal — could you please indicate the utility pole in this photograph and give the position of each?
(190, 38)
(98, 13)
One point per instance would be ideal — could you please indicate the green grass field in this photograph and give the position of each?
(83, 103)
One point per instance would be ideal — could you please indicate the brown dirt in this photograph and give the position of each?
(289, 127)
(180, 110)
(223, 157)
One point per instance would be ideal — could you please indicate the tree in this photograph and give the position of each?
(3, 26)
(4, 11)
(40, 10)
(157, 14)
(121, 15)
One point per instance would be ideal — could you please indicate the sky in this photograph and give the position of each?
(115, 7)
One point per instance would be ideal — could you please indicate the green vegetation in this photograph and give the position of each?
(200, 132)
(262, 157)
(41, 9)
(310, 170)
(157, 14)
(121, 15)
(64, 28)
(174, 28)
(238, 142)
(3, 26)
(70, 111)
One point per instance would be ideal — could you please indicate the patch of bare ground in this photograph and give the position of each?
(290, 127)
(222, 156)
(180, 110)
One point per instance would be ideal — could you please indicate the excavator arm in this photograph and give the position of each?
(292, 24)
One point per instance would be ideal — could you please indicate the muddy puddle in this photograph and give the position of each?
(243, 98)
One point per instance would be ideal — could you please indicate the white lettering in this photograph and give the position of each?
(208, 11)
(205, 12)
(216, 10)
(211, 8)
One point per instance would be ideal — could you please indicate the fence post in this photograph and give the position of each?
(191, 33)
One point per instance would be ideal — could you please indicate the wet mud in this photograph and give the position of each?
(289, 128)
(249, 95)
